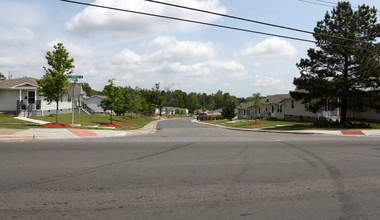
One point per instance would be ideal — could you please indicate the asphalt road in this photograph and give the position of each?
(191, 171)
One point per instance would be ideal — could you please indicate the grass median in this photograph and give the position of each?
(274, 125)
(95, 121)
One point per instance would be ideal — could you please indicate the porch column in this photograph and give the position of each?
(35, 99)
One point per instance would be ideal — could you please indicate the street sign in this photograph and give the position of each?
(75, 77)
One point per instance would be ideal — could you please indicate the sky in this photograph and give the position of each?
(139, 51)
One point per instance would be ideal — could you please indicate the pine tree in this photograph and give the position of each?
(344, 72)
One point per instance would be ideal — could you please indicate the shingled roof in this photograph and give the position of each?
(245, 105)
(24, 81)
(275, 99)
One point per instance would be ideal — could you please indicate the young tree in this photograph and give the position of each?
(158, 97)
(228, 110)
(109, 103)
(345, 71)
(54, 83)
(2, 77)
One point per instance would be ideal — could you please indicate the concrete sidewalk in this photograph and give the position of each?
(60, 133)
(32, 120)
(353, 132)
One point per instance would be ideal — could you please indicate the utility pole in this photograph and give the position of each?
(75, 79)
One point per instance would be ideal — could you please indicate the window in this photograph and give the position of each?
(292, 104)
(279, 109)
(248, 112)
(308, 106)
(68, 98)
(273, 108)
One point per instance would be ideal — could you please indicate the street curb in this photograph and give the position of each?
(259, 130)
(147, 129)
(16, 137)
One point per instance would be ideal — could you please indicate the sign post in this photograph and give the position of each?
(75, 79)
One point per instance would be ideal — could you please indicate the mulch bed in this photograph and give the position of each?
(54, 125)
(256, 123)
(125, 122)
(111, 125)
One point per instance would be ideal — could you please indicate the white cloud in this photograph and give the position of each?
(7, 62)
(169, 48)
(264, 81)
(17, 13)
(99, 21)
(16, 37)
(75, 50)
(126, 57)
(271, 48)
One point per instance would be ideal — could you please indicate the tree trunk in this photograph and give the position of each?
(111, 116)
(343, 111)
(56, 113)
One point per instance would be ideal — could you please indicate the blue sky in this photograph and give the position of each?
(139, 51)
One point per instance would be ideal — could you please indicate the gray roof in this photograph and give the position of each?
(78, 90)
(275, 99)
(9, 83)
(245, 105)
(98, 96)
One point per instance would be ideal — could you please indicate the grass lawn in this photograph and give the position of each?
(86, 121)
(8, 121)
(252, 124)
(274, 125)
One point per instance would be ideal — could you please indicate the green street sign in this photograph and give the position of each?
(75, 77)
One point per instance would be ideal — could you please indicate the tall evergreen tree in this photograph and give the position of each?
(344, 72)
(54, 83)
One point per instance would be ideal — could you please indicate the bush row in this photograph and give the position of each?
(210, 117)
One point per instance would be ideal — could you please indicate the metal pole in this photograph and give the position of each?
(72, 116)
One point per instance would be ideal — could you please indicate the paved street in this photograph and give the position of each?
(191, 171)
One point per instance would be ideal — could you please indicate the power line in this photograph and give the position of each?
(190, 21)
(230, 16)
(331, 4)
(328, 2)
(250, 20)
(203, 23)
(315, 3)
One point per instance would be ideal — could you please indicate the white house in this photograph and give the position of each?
(168, 110)
(92, 103)
(19, 96)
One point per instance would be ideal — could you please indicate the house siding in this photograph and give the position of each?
(11, 91)
(299, 112)
(8, 100)
(370, 115)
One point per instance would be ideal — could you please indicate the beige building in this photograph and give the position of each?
(283, 107)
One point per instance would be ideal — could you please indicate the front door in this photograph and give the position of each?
(31, 97)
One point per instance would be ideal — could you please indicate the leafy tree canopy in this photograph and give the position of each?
(54, 83)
